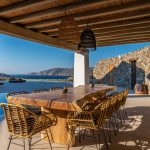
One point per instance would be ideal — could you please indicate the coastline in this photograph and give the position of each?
(48, 80)
(43, 78)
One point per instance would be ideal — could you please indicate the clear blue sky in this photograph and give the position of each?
(19, 56)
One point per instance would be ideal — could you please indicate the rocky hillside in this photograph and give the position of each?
(58, 72)
(4, 76)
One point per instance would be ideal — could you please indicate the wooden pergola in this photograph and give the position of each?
(113, 21)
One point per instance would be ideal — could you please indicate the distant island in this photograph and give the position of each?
(16, 80)
(58, 72)
(4, 76)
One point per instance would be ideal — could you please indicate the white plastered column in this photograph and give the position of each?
(81, 68)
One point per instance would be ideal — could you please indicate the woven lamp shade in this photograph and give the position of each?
(68, 30)
(87, 40)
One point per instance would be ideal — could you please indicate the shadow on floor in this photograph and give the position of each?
(133, 135)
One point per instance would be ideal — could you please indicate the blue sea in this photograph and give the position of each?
(34, 82)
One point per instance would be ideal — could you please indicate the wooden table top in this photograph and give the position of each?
(57, 99)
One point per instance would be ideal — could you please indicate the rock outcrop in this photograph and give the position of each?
(117, 70)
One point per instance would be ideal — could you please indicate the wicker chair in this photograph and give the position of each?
(23, 123)
(90, 100)
(16, 93)
(55, 88)
(124, 98)
(40, 90)
(68, 86)
(120, 102)
(89, 120)
(114, 113)
(34, 109)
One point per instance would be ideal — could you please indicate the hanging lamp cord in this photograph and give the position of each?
(88, 23)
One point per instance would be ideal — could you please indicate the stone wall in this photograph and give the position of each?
(117, 70)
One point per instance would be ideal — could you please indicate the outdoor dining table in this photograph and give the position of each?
(59, 103)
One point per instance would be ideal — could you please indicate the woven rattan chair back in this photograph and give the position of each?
(34, 109)
(55, 88)
(89, 119)
(40, 90)
(112, 105)
(81, 103)
(17, 93)
(88, 102)
(68, 86)
(100, 112)
(88, 106)
(119, 100)
(20, 121)
(125, 94)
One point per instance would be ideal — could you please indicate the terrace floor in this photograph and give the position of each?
(133, 135)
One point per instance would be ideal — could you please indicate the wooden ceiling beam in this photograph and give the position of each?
(82, 22)
(122, 37)
(124, 32)
(17, 31)
(117, 35)
(122, 42)
(141, 29)
(136, 19)
(23, 5)
(108, 27)
(78, 6)
(95, 20)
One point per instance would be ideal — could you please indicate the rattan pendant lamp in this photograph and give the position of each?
(87, 40)
(68, 29)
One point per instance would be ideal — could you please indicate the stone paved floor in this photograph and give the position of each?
(134, 135)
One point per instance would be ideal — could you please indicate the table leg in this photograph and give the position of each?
(59, 131)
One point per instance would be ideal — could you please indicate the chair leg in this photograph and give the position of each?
(94, 138)
(105, 139)
(80, 135)
(24, 144)
(29, 141)
(123, 115)
(125, 112)
(51, 135)
(114, 128)
(72, 131)
(99, 138)
(116, 124)
(69, 141)
(49, 139)
(84, 134)
(108, 131)
(10, 138)
(120, 116)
